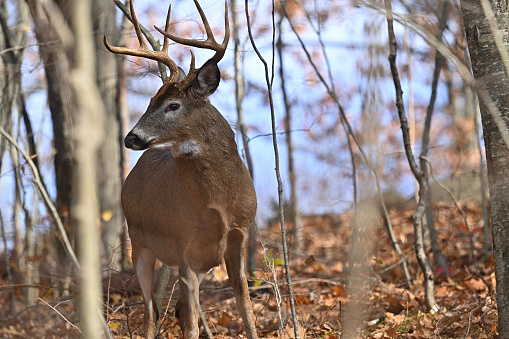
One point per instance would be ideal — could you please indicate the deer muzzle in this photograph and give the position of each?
(135, 142)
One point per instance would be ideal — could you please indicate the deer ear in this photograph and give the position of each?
(182, 74)
(207, 79)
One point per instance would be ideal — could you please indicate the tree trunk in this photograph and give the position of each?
(88, 132)
(123, 129)
(61, 99)
(11, 89)
(429, 298)
(298, 238)
(239, 97)
(491, 76)
(109, 166)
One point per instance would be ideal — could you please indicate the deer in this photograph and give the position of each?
(189, 200)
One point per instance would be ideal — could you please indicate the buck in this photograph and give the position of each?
(189, 200)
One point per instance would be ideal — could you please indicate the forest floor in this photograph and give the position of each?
(379, 305)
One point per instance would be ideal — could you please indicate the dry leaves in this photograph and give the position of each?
(322, 296)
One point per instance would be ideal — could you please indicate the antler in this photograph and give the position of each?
(210, 43)
(144, 51)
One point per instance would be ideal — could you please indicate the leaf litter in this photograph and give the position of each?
(390, 309)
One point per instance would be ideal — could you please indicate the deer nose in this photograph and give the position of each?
(131, 140)
(135, 142)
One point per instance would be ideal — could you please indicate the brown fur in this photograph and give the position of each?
(190, 208)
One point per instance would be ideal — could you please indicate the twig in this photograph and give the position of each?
(389, 268)
(275, 286)
(16, 48)
(276, 156)
(319, 280)
(348, 129)
(469, 323)
(463, 213)
(318, 32)
(462, 69)
(51, 207)
(61, 315)
(159, 306)
(169, 300)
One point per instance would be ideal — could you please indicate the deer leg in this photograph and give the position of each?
(235, 258)
(189, 297)
(178, 305)
(144, 261)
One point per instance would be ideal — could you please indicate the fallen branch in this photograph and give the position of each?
(61, 315)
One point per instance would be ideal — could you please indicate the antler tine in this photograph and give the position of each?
(136, 24)
(167, 29)
(144, 51)
(224, 44)
(205, 21)
(210, 43)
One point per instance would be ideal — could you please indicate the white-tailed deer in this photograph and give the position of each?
(189, 201)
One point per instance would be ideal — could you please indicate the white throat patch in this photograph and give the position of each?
(187, 148)
(164, 145)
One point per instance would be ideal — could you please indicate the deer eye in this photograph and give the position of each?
(172, 107)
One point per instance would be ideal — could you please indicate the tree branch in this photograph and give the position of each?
(51, 207)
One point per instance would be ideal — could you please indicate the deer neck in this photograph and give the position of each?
(208, 162)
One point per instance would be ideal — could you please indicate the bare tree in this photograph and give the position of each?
(239, 97)
(268, 81)
(12, 100)
(418, 173)
(298, 241)
(439, 59)
(53, 36)
(484, 22)
(88, 134)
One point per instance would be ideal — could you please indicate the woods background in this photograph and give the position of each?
(386, 197)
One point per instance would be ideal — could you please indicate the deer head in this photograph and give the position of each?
(175, 105)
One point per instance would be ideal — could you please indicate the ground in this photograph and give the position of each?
(387, 307)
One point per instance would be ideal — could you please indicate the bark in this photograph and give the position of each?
(4, 110)
(472, 101)
(18, 208)
(7, 265)
(88, 133)
(123, 129)
(491, 76)
(9, 67)
(32, 275)
(109, 165)
(60, 99)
